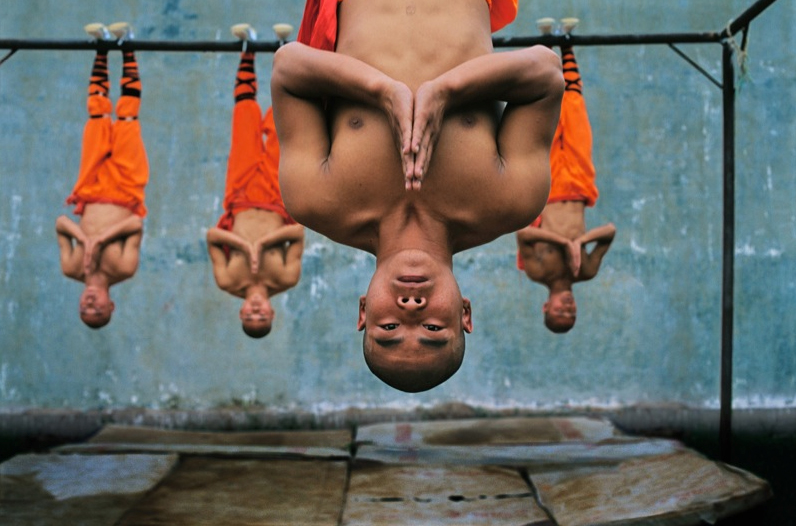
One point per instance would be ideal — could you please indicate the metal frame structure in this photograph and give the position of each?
(725, 37)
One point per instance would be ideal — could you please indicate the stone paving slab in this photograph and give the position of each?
(440, 495)
(678, 489)
(537, 444)
(535, 458)
(220, 492)
(486, 431)
(90, 490)
(117, 438)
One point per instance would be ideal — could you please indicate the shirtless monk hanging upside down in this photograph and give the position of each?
(256, 247)
(396, 143)
(103, 249)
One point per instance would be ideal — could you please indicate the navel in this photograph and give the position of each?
(410, 9)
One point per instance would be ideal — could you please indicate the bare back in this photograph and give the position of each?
(472, 185)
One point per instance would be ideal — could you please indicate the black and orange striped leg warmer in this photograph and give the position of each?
(98, 84)
(572, 78)
(246, 80)
(131, 83)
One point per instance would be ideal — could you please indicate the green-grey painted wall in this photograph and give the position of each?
(649, 324)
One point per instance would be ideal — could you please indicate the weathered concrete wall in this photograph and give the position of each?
(649, 323)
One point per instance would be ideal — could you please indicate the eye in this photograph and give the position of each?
(389, 326)
(433, 328)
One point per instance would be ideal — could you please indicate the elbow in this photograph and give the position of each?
(547, 69)
(284, 58)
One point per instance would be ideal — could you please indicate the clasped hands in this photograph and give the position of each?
(573, 249)
(416, 120)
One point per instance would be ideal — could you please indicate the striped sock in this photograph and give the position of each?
(571, 74)
(98, 84)
(131, 83)
(246, 80)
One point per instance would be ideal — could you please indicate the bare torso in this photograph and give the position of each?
(97, 218)
(414, 42)
(252, 225)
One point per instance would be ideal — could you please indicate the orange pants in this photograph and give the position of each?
(253, 166)
(113, 164)
(572, 174)
(319, 24)
(571, 168)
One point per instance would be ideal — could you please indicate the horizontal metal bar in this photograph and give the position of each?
(608, 40)
(139, 45)
(236, 46)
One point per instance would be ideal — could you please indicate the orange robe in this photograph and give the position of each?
(253, 165)
(572, 174)
(113, 164)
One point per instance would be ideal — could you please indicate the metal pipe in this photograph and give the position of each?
(608, 40)
(139, 45)
(236, 46)
(728, 254)
(747, 16)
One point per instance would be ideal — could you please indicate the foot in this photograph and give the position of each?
(545, 25)
(282, 31)
(97, 31)
(121, 30)
(244, 32)
(568, 24)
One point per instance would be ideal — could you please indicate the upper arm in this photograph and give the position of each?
(591, 261)
(293, 262)
(219, 261)
(70, 249)
(527, 129)
(302, 130)
(71, 257)
(529, 123)
(131, 251)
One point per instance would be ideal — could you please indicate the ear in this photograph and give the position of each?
(361, 319)
(112, 306)
(545, 307)
(467, 316)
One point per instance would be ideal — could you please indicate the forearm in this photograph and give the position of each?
(125, 228)
(516, 77)
(533, 234)
(71, 257)
(69, 229)
(286, 234)
(219, 237)
(310, 73)
(602, 234)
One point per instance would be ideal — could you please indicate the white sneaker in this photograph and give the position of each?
(97, 31)
(282, 31)
(545, 25)
(568, 24)
(122, 31)
(244, 32)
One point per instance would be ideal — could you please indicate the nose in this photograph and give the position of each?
(411, 302)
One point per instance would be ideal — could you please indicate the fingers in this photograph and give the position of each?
(575, 259)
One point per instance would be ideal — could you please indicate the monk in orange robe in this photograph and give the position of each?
(103, 248)
(256, 246)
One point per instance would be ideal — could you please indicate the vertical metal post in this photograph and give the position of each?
(728, 251)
